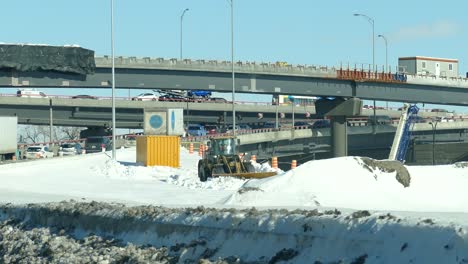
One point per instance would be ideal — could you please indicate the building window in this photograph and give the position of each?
(450, 67)
(424, 65)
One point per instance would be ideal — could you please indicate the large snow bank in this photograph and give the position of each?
(350, 183)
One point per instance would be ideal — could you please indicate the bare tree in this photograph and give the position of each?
(34, 134)
(70, 133)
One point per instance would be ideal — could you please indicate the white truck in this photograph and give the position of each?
(8, 141)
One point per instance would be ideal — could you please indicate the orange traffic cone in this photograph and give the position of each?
(200, 150)
(191, 148)
(274, 162)
(293, 164)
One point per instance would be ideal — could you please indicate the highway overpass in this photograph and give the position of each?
(89, 112)
(150, 73)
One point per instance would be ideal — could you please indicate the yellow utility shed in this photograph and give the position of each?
(158, 150)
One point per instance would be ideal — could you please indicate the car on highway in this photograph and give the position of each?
(97, 144)
(379, 120)
(322, 123)
(418, 119)
(84, 96)
(38, 152)
(211, 129)
(217, 100)
(439, 110)
(31, 93)
(146, 97)
(196, 130)
(172, 98)
(245, 127)
(70, 149)
(302, 124)
(270, 125)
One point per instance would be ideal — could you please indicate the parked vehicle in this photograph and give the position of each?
(97, 144)
(38, 152)
(32, 93)
(8, 142)
(130, 141)
(70, 149)
(84, 96)
(146, 97)
(196, 130)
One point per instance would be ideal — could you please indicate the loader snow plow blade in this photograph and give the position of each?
(248, 175)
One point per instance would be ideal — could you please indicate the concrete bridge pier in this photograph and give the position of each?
(339, 132)
(338, 109)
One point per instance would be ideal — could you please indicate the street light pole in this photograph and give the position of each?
(113, 81)
(232, 70)
(386, 51)
(434, 127)
(386, 57)
(371, 21)
(181, 20)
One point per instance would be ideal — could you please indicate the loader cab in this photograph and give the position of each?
(223, 146)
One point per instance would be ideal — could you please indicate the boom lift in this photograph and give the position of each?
(221, 159)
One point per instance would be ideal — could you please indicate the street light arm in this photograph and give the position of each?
(183, 13)
(370, 19)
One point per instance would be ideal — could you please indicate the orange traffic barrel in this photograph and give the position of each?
(253, 158)
(191, 148)
(274, 162)
(200, 150)
(293, 164)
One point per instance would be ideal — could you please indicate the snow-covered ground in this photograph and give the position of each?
(343, 209)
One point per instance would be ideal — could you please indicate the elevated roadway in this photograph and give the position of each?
(150, 73)
(89, 112)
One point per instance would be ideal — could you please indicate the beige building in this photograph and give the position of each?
(429, 66)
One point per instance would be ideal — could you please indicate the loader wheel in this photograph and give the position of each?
(203, 172)
(249, 167)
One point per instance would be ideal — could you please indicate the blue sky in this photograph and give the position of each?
(295, 31)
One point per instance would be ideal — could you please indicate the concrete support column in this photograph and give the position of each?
(339, 133)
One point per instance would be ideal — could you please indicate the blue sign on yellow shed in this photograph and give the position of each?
(158, 151)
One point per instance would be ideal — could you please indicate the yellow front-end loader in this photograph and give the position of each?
(222, 159)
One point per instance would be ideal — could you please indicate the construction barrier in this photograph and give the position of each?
(253, 158)
(293, 164)
(274, 162)
(191, 148)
